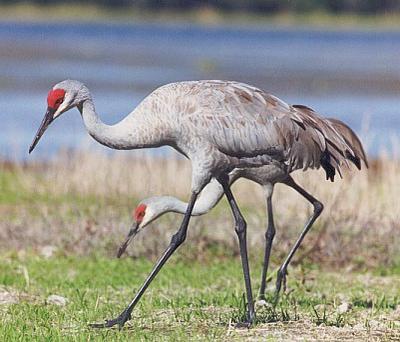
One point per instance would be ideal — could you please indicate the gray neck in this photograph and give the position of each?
(208, 199)
(122, 136)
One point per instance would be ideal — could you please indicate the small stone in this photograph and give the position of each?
(57, 300)
(359, 326)
(261, 303)
(7, 298)
(343, 308)
(374, 324)
(48, 251)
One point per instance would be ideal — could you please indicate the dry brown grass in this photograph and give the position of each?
(81, 202)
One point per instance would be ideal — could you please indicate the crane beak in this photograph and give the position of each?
(48, 118)
(132, 233)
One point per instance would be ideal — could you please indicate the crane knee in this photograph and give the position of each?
(318, 207)
(240, 226)
(270, 233)
(178, 238)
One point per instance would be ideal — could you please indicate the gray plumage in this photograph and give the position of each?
(227, 130)
(219, 125)
(266, 176)
(353, 141)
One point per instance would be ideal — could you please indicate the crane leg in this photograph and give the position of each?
(177, 239)
(241, 228)
(318, 207)
(269, 237)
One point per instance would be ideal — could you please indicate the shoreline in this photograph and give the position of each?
(203, 17)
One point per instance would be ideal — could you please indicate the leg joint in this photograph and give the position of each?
(318, 207)
(178, 238)
(270, 233)
(240, 226)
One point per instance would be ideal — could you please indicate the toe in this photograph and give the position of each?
(98, 325)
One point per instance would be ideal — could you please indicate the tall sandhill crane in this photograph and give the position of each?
(152, 208)
(219, 126)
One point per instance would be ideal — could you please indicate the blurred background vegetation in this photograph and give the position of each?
(324, 12)
(250, 6)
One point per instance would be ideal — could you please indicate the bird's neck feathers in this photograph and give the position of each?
(207, 200)
(127, 134)
(167, 204)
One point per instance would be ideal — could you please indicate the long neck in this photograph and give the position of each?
(124, 135)
(208, 199)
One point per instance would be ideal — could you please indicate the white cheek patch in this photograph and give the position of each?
(147, 218)
(57, 113)
(63, 107)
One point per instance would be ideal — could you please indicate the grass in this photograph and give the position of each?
(196, 301)
(77, 207)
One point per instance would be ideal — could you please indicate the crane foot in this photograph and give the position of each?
(243, 325)
(281, 281)
(248, 322)
(109, 323)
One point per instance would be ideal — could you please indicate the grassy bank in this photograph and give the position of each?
(207, 16)
(196, 301)
(81, 203)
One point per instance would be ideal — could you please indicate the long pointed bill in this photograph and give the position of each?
(48, 118)
(132, 233)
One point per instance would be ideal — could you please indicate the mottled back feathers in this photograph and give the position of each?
(245, 122)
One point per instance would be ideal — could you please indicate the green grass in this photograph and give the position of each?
(9, 184)
(199, 293)
(16, 196)
(196, 301)
(14, 192)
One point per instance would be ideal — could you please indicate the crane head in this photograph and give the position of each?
(139, 214)
(146, 212)
(62, 97)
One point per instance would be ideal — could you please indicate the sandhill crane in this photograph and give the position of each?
(152, 208)
(219, 126)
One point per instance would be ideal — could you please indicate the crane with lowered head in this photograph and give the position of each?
(152, 208)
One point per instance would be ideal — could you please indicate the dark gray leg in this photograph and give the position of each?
(241, 228)
(177, 239)
(269, 236)
(318, 207)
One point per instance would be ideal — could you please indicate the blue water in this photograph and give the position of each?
(351, 75)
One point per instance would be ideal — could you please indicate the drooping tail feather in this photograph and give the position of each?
(342, 143)
(351, 139)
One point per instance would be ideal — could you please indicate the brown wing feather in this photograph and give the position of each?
(333, 157)
(245, 122)
(352, 140)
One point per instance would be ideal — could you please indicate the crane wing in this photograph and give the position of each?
(245, 122)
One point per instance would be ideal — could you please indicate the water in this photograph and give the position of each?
(351, 75)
